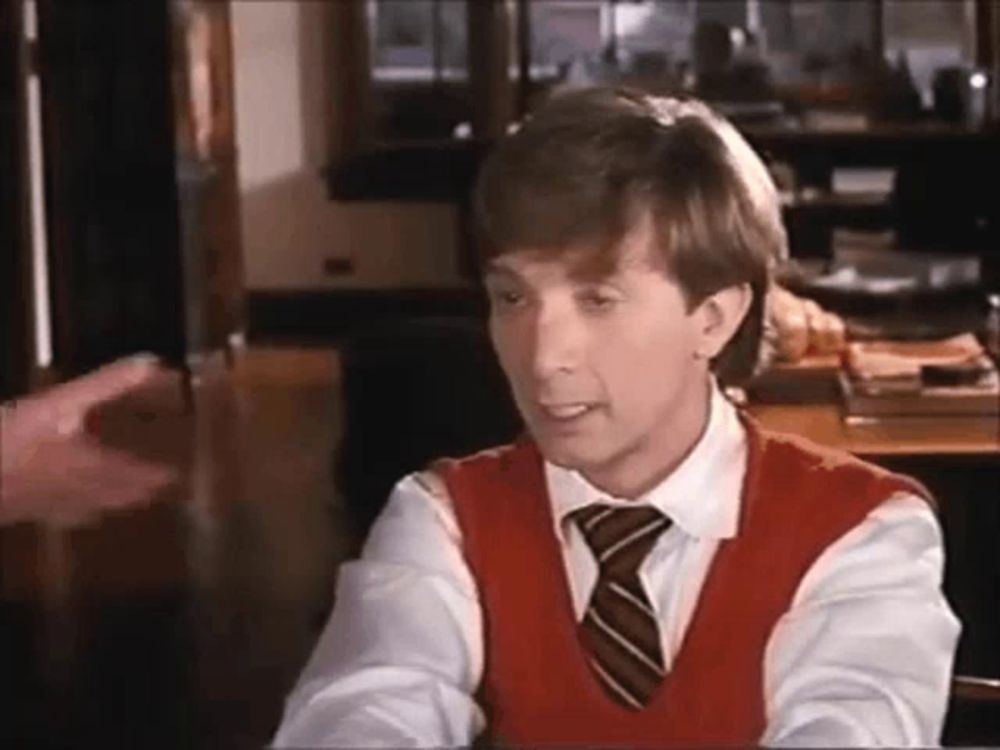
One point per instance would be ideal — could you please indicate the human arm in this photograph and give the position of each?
(864, 655)
(401, 656)
(50, 464)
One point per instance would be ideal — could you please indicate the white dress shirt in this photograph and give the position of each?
(862, 658)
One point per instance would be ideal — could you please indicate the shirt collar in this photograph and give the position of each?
(701, 496)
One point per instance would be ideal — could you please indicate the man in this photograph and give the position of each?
(648, 567)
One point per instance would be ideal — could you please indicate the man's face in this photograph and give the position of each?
(605, 373)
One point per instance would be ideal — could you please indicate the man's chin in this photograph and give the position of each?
(571, 455)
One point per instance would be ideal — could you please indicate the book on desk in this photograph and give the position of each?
(948, 377)
(885, 379)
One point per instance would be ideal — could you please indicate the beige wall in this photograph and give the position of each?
(289, 226)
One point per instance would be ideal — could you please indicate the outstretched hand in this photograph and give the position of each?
(51, 466)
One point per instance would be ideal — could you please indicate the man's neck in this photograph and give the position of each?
(646, 466)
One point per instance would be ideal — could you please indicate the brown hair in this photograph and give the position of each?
(584, 167)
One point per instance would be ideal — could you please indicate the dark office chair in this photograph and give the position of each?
(415, 390)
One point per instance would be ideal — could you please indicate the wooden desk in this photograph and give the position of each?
(916, 437)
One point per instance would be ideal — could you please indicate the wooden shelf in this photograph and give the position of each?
(879, 145)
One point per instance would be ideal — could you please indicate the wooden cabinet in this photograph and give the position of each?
(943, 193)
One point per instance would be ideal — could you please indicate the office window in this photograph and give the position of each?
(419, 68)
(562, 31)
(934, 35)
(418, 40)
(789, 54)
(581, 42)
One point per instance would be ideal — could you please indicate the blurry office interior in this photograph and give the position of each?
(273, 196)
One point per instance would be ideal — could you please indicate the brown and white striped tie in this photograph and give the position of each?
(619, 627)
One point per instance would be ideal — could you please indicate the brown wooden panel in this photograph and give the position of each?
(205, 126)
(350, 96)
(490, 87)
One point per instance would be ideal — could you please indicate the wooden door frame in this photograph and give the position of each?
(17, 354)
(60, 228)
(216, 318)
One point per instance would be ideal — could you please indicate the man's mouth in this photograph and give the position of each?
(566, 412)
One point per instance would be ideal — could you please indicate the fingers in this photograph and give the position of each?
(57, 414)
(75, 479)
(107, 383)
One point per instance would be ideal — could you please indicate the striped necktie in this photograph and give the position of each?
(619, 627)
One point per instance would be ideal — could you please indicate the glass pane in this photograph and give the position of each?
(826, 51)
(454, 48)
(817, 42)
(419, 68)
(767, 58)
(933, 35)
(654, 40)
(419, 39)
(403, 40)
(567, 35)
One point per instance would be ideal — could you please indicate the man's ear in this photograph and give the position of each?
(720, 315)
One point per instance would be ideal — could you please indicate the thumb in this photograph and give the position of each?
(70, 401)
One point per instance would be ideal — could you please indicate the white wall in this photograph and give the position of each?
(289, 226)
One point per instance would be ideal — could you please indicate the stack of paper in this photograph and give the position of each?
(948, 376)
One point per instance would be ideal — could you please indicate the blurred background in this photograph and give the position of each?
(273, 196)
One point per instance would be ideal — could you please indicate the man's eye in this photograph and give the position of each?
(506, 297)
(597, 301)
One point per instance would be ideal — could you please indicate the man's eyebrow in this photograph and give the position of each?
(495, 268)
(586, 274)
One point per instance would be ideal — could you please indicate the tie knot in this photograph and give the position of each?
(620, 538)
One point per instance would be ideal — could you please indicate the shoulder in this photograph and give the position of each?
(447, 495)
(496, 459)
(452, 482)
(898, 546)
(498, 487)
(799, 458)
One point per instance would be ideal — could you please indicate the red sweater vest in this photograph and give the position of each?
(537, 687)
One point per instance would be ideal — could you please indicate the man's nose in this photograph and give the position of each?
(557, 343)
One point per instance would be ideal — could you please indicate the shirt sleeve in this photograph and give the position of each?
(401, 655)
(864, 655)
